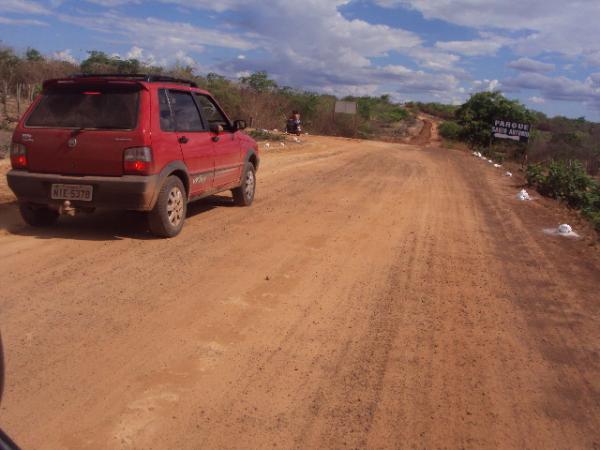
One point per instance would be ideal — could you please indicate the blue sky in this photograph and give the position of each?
(544, 53)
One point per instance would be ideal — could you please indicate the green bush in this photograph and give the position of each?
(450, 130)
(395, 114)
(594, 217)
(568, 181)
(535, 175)
(592, 208)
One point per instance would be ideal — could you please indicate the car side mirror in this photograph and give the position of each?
(216, 128)
(239, 125)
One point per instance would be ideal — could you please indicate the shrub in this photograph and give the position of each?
(450, 130)
(568, 181)
(594, 217)
(535, 175)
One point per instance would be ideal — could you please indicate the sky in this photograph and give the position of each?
(545, 53)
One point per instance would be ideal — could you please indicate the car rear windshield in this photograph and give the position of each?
(111, 108)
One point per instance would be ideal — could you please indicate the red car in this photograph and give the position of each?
(127, 142)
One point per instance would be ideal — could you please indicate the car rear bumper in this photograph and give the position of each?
(129, 192)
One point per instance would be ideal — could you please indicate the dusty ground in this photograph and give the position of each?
(375, 295)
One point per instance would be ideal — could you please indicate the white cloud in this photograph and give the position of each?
(561, 88)
(144, 56)
(592, 58)
(537, 100)
(64, 55)
(486, 85)
(476, 47)
(549, 25)
(34, 22)
(531, 65)
(22, 7)
(135, 53)
(173, 35)
(184, 59)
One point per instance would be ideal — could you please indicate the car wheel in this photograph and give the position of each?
(244, 194)
(38, 216)
(168, 215)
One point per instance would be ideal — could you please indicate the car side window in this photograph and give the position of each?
(166, 118)
(185, 111)
(210, 112)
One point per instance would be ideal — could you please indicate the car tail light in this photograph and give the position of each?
(137, 160)
(18, 156)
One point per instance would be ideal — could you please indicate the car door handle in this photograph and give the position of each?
(183, 140)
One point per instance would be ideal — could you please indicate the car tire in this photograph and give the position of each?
(243, 195)
(167, 217)
(38, 216)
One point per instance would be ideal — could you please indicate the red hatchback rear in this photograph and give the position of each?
(136, 142)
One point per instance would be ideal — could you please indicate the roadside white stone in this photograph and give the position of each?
(523, 195)
(508, 174)
(497, 165)
(565, 229)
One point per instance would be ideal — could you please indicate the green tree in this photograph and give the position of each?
(259, 82)
(477, 115)
(100, 62)
(33, 55)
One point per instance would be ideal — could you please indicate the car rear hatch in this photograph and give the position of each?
(83, 128)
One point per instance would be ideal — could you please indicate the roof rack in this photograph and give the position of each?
(149, 78)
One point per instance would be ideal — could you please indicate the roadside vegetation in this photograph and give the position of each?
(562, 158)
(568, 181)
(434, 109)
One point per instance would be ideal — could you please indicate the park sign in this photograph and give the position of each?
(506, 129)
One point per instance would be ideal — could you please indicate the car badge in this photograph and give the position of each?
(72, 142)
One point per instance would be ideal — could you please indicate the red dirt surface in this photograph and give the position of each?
(376, 295)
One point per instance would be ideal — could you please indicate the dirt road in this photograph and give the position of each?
(376, 295)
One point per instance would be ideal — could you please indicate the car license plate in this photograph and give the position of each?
(71, 192)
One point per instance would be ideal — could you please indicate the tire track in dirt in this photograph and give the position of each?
(375, 296)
